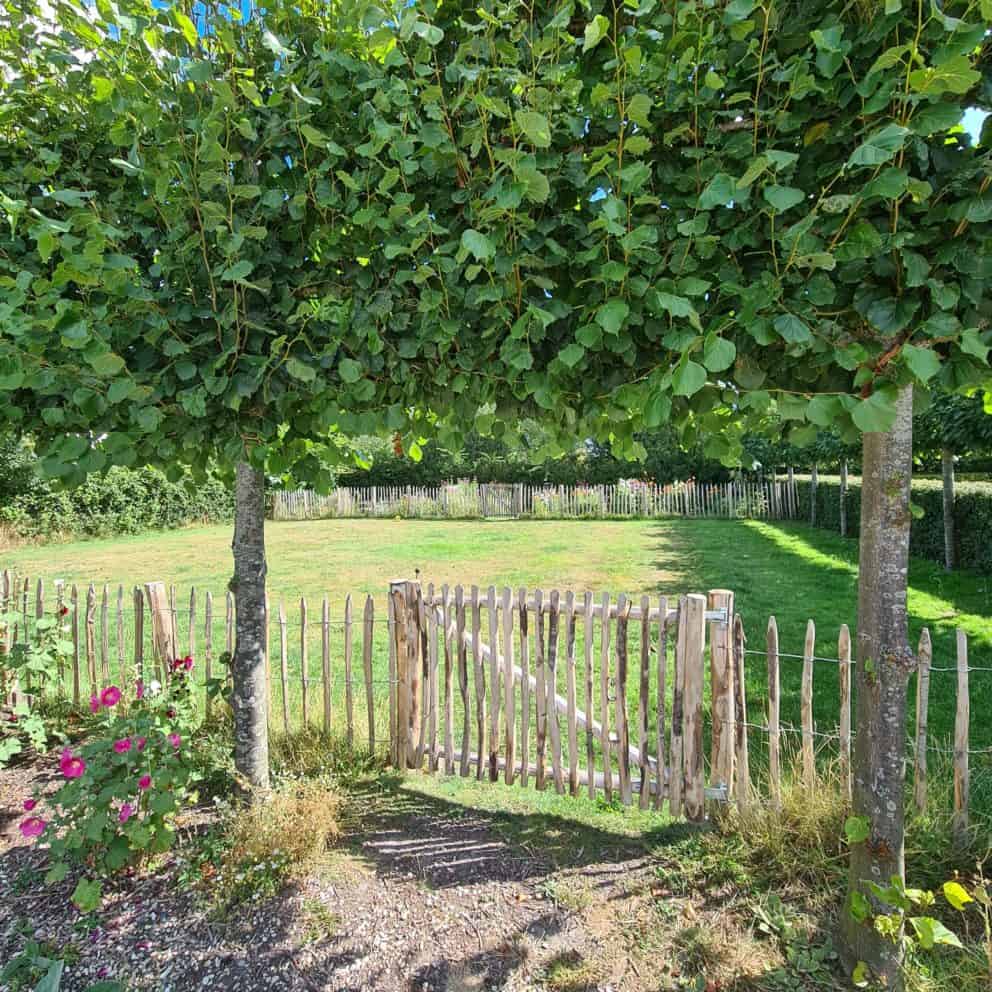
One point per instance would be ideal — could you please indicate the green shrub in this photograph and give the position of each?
(124, 501)
(972, 517)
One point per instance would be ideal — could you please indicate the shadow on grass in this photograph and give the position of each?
(397, 829)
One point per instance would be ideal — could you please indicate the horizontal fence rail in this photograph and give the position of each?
(771, 499)
(580, 693)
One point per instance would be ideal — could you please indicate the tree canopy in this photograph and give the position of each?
(346, 219)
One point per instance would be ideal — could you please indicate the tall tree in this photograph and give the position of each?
(453, 216)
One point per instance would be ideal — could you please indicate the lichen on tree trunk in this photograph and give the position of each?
(249, 698)
(884, 665)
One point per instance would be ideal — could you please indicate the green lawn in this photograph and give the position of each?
(792, 571)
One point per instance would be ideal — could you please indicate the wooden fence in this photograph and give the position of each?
(770, 498)
(580, 693)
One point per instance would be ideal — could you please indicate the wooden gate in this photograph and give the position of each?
(576, 692)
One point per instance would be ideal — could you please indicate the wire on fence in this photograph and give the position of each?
(853, 662)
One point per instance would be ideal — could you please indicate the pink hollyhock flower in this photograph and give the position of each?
(139, 690)
(140, 744)
(145, 782)
(174, 740)
(33, 826)
(29, 804)
(123, 745)
(94, 704)
(171, 714)
(110, 696)
(188, 663)
(71, 766)
(125, 814)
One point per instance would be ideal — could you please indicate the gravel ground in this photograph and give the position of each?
(415, 898)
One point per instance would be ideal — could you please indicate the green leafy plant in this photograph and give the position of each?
(33, 664)
(905, 916)
(123, 788)
(37, 967)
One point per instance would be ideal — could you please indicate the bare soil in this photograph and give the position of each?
(420, 895)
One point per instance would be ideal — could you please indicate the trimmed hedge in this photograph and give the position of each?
(124, 501)
(972, 517)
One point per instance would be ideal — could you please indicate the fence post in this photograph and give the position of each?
(694, 631)
(961, 722)
(742, 782)
(925, 655)
(774, 696)
(405, 596)
(4, 629)
(722, 690)
(844, 658)
(806, 706)
(163, 640)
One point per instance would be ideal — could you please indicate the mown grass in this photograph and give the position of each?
(790, 570)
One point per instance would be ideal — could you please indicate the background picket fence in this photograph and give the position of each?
(772, 499)
(580, 693)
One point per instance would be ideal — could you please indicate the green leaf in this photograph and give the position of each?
(792, 329)
(478, 244)
(129, 167)
(52, 979)
(880, 146)
(350, 370)
(953, 76)
(120, 389)
(857, 829)
(610, 316)
(971, 343)
(861, 975)
(924, 363)
(596, 31)
(858, 906)
(956, 894)
(713, 81)
(300, 370)
(876, 414)
(718, 353)
(783, 197)
(535, 126)
(103, 89)
(87, 895)
(719, 191)
(572, 354)
(931, 932)
(187, 27)
(639, 111)
(657, 409)
(917, 268)
(238, 272)
(431, 33)
(689, 378)
(677, 306)
(823, 410)
(108, 364)
(889, 184)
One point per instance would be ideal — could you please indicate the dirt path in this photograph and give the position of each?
(420, 896)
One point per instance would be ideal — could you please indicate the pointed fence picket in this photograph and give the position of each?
(576, 692)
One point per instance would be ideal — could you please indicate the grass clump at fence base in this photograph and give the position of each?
(261, 845)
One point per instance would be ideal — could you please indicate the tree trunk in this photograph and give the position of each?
(843, 498)
(884, 665)
(947, 466)
(250, 695)
(813, 483)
